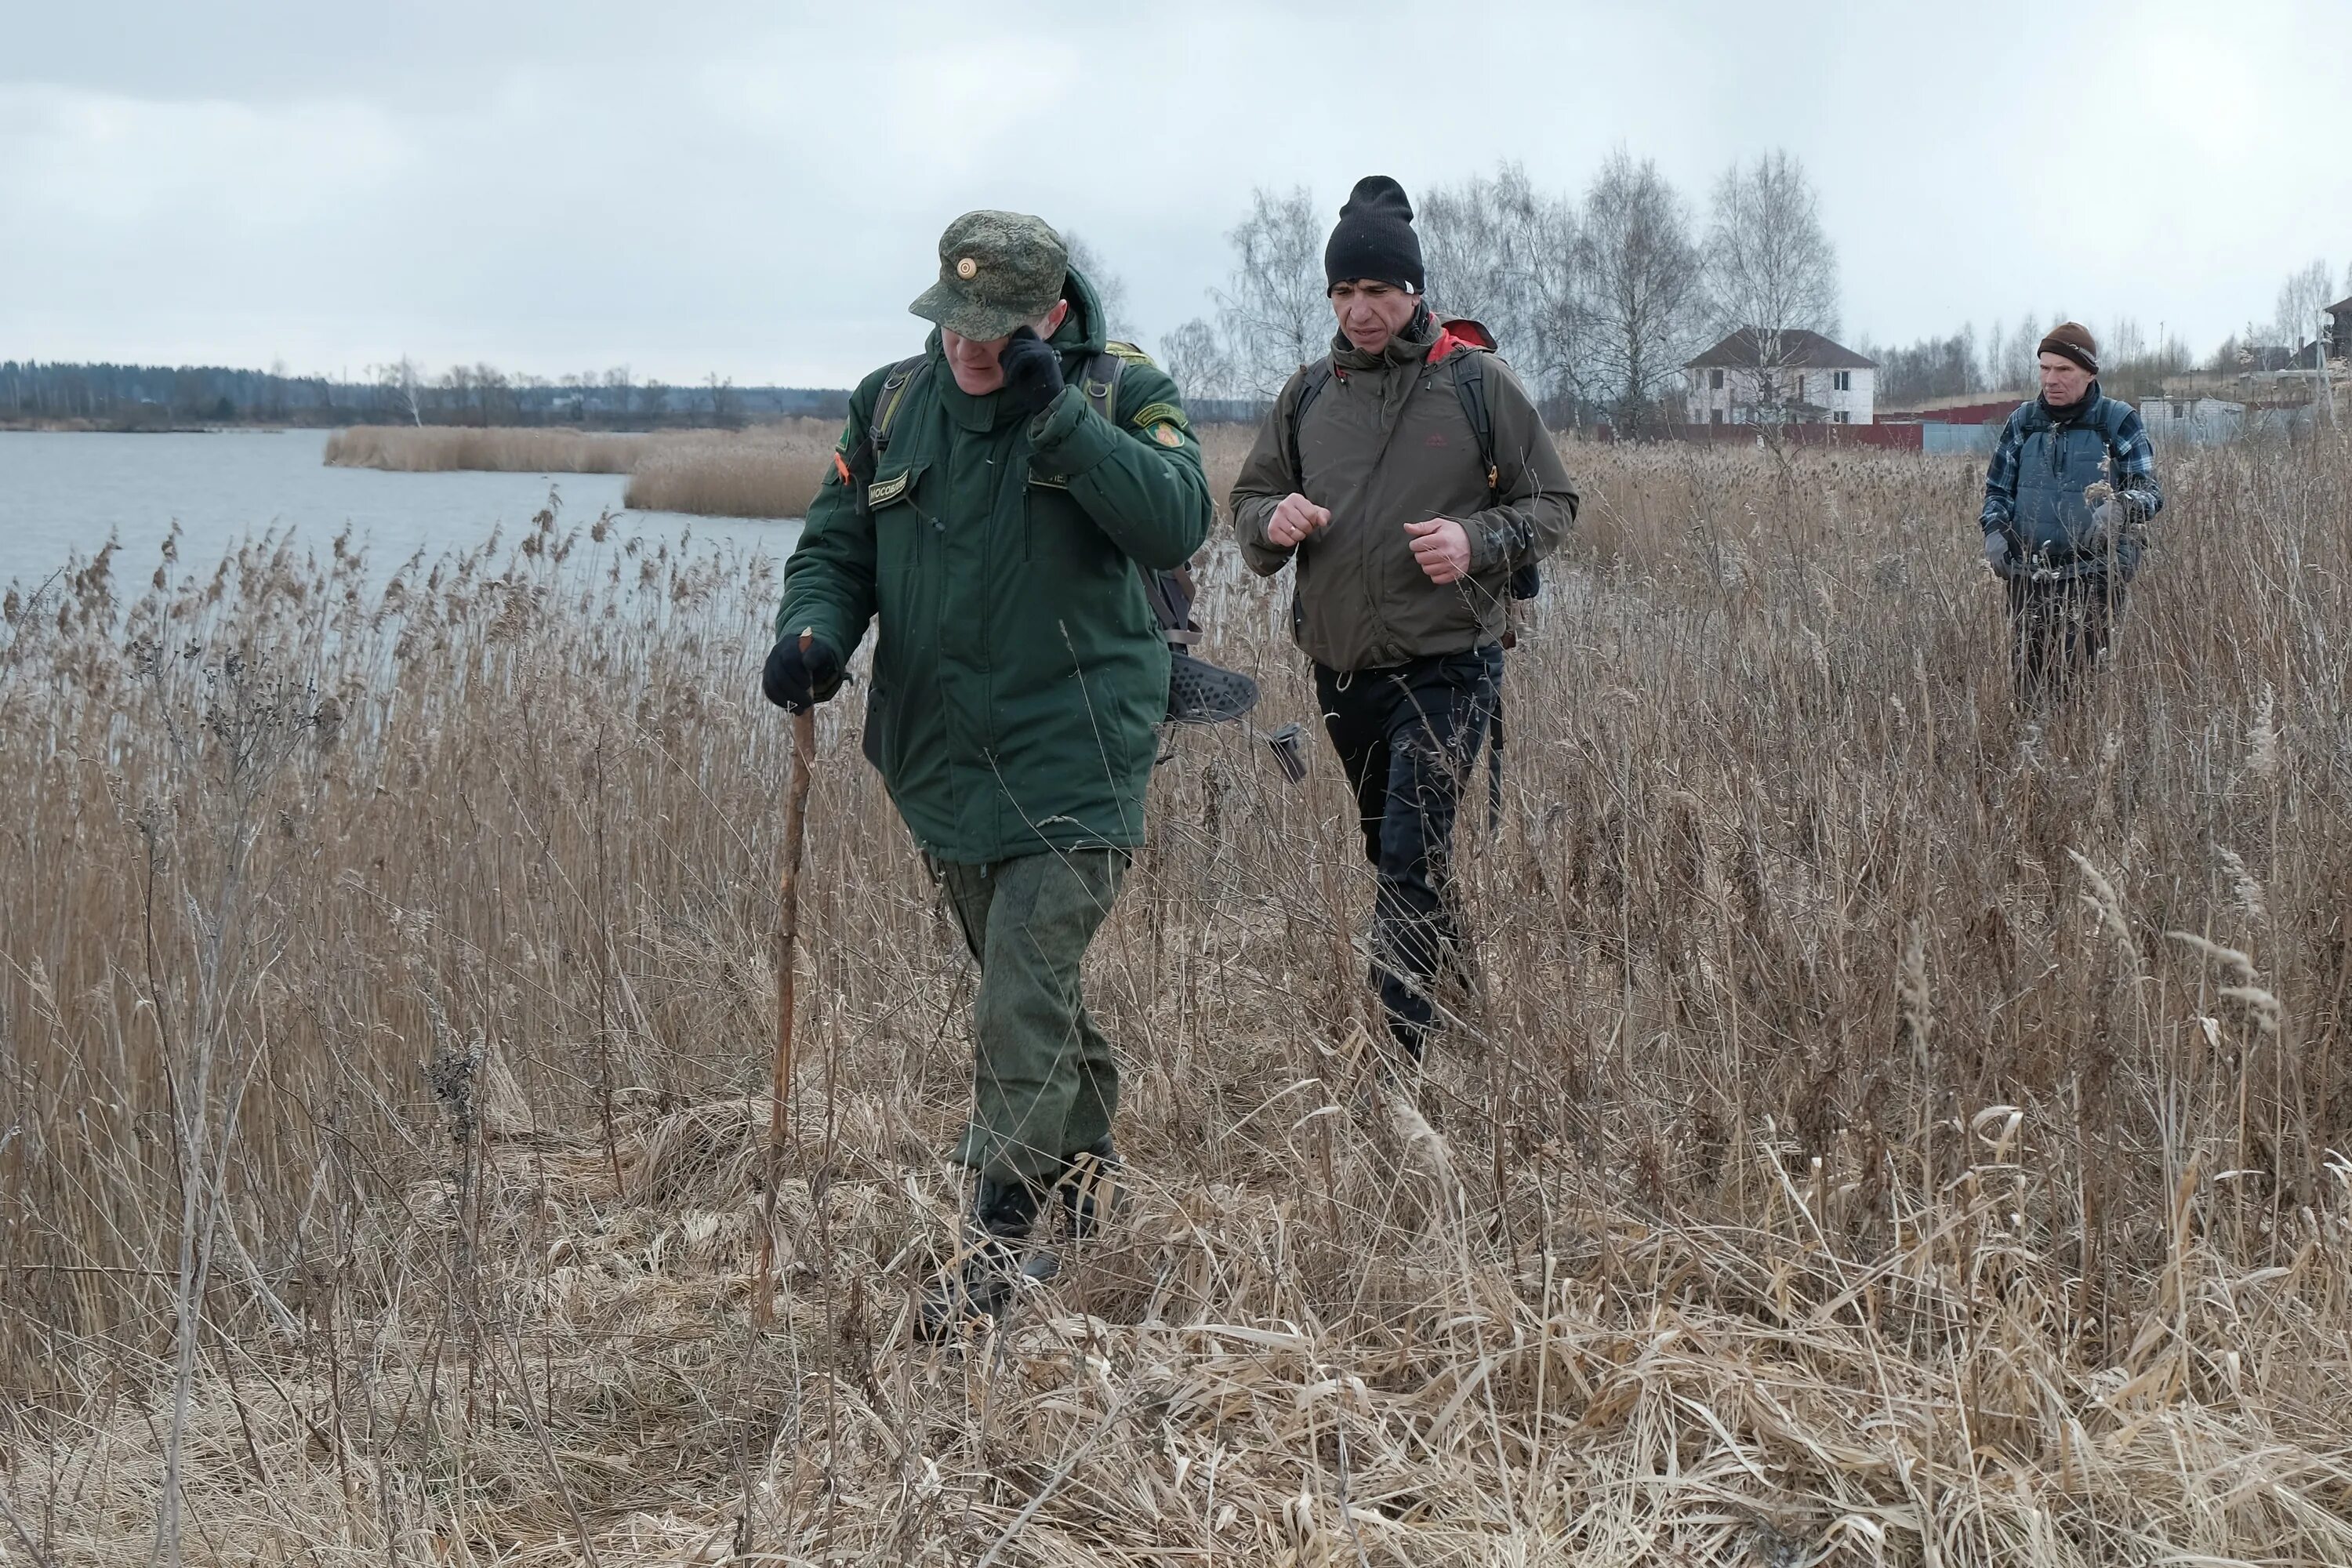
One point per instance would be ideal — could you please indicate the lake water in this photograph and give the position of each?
(62, 495)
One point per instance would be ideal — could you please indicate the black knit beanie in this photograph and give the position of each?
(1374, 239)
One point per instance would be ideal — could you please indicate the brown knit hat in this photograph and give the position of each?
(2072, 340)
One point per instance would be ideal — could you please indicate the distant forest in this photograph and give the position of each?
(155, 397)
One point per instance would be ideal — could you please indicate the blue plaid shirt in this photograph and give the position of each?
(2131, 455)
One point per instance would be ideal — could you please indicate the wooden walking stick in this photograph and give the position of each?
(788, 920)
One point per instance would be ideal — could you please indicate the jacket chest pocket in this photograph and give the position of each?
(897, 485)
(905, 516)
(1055, 529)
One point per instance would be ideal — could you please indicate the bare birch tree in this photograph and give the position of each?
(1770, 269)
(1110, 287)
(1640, 288)
(1274, 313)
(1478, 242)
(1196, 358)
(402, 384)
(2301, 298)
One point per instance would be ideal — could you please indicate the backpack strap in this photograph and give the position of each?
(1470, 387)
(1318, 375)
(1170, 594)
(1100, 382)
(886, 402)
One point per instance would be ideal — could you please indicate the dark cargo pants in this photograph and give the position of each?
(1044, 1082)
(2058, 631)
(1409, 738)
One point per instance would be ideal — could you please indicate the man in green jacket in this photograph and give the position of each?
(1410, 478)
(997, 527)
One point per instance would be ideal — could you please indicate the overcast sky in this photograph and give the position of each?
(756, 189)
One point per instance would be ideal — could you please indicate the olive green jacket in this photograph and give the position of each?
(1019, 671)
(1383, 444)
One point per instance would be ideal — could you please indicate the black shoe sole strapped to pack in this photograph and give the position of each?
(1200, 693)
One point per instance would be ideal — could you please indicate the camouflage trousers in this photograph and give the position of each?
(1045, 1081)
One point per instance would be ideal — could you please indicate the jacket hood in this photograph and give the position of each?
(1084, 327)
(1460, 333)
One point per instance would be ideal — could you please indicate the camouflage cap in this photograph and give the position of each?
(996, 271)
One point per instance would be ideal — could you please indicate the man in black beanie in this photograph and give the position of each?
(1409, 475)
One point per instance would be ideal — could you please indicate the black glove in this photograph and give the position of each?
(797, 677)
(1032, 372)
(1998, 554)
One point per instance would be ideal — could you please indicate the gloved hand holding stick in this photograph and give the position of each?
(787, 936)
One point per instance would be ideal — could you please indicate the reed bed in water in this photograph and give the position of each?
(1884, 1129)
(440, 448)
(752, 475)
(771, 471)
(723, 476)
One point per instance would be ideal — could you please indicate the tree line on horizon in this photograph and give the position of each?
(1600, 300)
(135, 396)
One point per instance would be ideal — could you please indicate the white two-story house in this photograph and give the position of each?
(1785, 377)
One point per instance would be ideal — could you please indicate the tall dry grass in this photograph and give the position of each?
(1887, 1130)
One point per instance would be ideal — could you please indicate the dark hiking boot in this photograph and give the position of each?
(1200, 692)
(981, 1279)
(1089, 1191)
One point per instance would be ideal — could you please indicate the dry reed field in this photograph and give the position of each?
(1886, 1129)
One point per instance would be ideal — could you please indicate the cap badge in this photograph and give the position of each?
(967, 267)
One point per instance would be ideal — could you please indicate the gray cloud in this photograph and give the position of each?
(756, 189)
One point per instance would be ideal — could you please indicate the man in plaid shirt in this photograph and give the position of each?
(2068, 496)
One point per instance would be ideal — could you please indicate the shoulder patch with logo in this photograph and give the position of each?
(1158, 414)
(1167, 434)
(888, 490)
